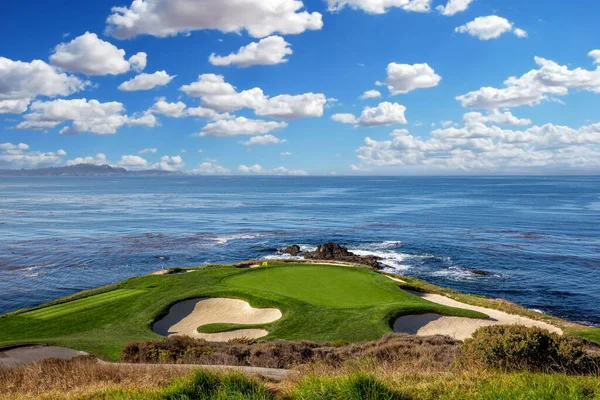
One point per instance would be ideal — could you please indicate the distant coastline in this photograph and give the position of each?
(84, 170)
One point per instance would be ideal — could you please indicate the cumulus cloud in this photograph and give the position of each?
(171, 164)
(90, 55)
(99, 159)
(173, 110)
(384, 114)
(537, 85)
(164, 18)
(138, 61)
(132, 162)
(21, 82)
(240, 126)
(595, 54)
(403, 78)
(481, 145)
(263, 140)
(146, 81)
(222, 96)
(259, 170)
(148, 150)
(490, 27)
(454, 7)
(20, 156)
(371, 94)
(86, 116)
(210, 168)
(269, 51)
(380, 6)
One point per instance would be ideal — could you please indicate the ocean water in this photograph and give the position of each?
(538, 237)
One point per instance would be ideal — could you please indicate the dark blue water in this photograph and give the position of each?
(539, 238)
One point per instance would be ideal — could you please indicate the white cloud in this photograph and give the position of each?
(380, 6)
(138, 61)
(595, 54)
(133, 162)
(164, 18)
(454, 7)
(254, 169)
(520, 33)
(221, 96)
(269, 51)
(21, 82)
(263, 140)
(90, 55)
(99, 159)
(446, 124)
(149, 150)
(481, 146)
(14, 106)
(240, 126)
(86, 116)
(490, 27)
(384, 114)
(20, 156)
(371, 94)
(403, 78)
(171, 164)
(285, 154)
(210, 168)
(147, 119)
(207, 113)
(259, 170)
(173, 110)
(537, 85)
(146, 81)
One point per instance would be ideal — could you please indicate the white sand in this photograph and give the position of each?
(460, 328)
(186, 317)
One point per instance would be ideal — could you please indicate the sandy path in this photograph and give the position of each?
(459, 327)
(185, 317)
(30, 354)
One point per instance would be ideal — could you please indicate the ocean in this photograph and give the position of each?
(537, 237)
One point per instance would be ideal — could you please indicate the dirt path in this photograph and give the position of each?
(30, 354)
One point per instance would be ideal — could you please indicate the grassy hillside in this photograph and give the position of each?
(318, 303)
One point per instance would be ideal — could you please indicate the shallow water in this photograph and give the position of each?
(538, 237)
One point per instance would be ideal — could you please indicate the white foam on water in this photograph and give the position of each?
(396, 261)
(242, 236)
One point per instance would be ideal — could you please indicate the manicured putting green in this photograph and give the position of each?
(331, 286)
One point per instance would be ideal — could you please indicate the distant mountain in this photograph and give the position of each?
(81, 170)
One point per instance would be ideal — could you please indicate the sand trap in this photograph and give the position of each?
(458, 327)
(31, 354)
(186, 317)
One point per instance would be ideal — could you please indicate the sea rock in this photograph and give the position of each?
(293, 250)
(334, 252)
(476, 272)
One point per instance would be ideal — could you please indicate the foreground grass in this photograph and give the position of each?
(86, 380)
(318, 303)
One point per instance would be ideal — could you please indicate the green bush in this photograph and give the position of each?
(353, 387)
(518, 348)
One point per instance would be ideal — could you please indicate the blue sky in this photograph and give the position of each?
(452, 111)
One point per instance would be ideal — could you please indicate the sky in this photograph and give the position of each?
(313, 87)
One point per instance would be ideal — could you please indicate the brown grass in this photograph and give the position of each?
(58, 379)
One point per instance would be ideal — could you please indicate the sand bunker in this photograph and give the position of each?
(458, 327)
(30, 354)
(186, 317)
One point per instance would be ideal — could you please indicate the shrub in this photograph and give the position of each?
(518, 348)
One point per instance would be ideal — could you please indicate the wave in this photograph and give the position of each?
(224, 239)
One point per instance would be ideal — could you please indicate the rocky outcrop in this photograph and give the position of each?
(334, 252)
(293, 250)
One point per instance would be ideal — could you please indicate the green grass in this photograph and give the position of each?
(331, 304)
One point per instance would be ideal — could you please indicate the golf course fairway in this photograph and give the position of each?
(317, 303)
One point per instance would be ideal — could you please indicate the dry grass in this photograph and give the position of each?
(59, 379)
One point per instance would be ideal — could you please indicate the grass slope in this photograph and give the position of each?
(319, 303)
